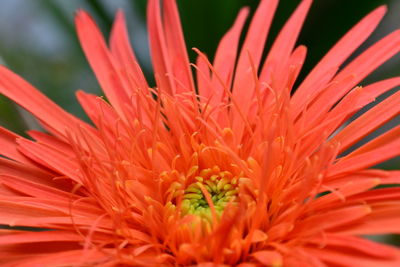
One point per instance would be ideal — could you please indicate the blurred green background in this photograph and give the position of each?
(38, 41)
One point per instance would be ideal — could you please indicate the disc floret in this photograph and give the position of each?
(208, 187)
(221, 187)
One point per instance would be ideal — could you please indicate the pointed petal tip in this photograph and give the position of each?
(244, 11)
(302, 48)
(378, 13)
(118, 25)
(80, 13)
(119, 16)
(381, 9)
(81, 17)
(80, 92)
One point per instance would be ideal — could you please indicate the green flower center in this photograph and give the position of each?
(221, 188)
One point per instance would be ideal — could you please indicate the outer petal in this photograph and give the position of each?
(368, 122)
(52, 159)
(335, 57)
(177, 48)
(253, 47)
(225, 59)
(124, 55)
(101, 61)
(168, 51)
(388, 137)
(9, 147)
(159, 52)
(24, 94)
(367, 159)
(69, 257)
(283, 46)
(354, 251)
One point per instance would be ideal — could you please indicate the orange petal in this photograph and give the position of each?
(35, 189)
(12, 213)
(159, 52)
(101, 61)
(343, 192)
(393, 178)
(358, 244)
(378, 195)
(384, 219)
(348, 258)
(335, 58)
(9, 146)
(268, 257)
(55, 118)
(368, 122)
(331, 218)
(251, 52)
(203, 77)
(27, 172)
(52, 142)
(372, 58)
(386, 138)
(124, 55)
(98, 110)
(225, 58)
(348, 78)
(355, 100)
(33, 237)
(177, 48)
(92, 257)
(52, 159)
(283, 46)
(365, 160)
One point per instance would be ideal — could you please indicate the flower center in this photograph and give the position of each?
(221, 188)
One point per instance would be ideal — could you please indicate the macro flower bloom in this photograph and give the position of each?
(232, 166)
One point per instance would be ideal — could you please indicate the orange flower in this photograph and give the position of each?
(227, 170)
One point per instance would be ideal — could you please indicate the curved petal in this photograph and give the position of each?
(335, 58)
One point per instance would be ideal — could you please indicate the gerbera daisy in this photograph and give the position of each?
(232, 166)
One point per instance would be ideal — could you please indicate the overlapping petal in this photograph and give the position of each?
(230, 170)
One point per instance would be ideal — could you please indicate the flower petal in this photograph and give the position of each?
(101, 61)
(352, 251)
(92, 257)
(283, 46)
(251, 52)
(383, 219)
(35, 189)
(367, 159)
(34, 237)
(330, 219)
(9, 146)
(24, 94)
(368, 122)
(27, 172)
(54, 160)
(177, 48)
(124, 55)
(335, 58)
(384, 139)
(159, 51)
(225, 59)
(268, 257)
